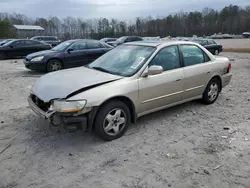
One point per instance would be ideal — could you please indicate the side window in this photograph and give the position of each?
(203, 42)
(168, 58)
(18, 43)
(94, 44)
(210, 42)
(79, 46)
(30, 42)
(51, 38)
(138, 39)
(134, 39)
(129, 39)
(193, 55)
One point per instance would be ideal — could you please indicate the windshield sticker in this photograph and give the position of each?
(138, 63)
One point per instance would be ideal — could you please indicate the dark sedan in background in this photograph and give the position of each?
(125, 39)
(21, 47)
(53, 41)
(68, 54)
(210, 45)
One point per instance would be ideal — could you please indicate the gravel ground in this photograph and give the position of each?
(234, 43)
(184, 146)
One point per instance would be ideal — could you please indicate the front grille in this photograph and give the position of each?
(40, 103)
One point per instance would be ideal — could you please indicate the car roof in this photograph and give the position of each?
(44, 36)
(76, 40)
(159, 43)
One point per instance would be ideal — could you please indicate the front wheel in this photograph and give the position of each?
(54, 65)
(112, 120)
(211, 92)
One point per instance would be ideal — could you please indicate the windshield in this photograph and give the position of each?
(7, 42)
(121, 39)
(124, 60)
(62, 46)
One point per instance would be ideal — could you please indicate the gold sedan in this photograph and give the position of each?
(128, 82)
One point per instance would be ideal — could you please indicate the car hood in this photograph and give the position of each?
(62, 84)
(41, 53)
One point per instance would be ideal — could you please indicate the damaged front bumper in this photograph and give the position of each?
(71, 122)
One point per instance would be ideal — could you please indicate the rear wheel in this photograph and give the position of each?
(112, 120)
(54, 65)
(2, 55)
(212, 91)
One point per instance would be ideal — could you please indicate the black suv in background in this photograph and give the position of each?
(125, 39)
(53, 41)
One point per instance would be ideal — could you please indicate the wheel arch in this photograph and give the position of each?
(123, 99)
(54, 58)
(219, 79)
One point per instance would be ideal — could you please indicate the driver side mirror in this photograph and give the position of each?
(69, 50)
(11, 46)
(153, 70)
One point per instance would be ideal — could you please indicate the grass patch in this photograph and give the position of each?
(237, 50)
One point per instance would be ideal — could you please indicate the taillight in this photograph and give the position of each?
(229, 67)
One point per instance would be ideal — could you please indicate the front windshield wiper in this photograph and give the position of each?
(102, 69)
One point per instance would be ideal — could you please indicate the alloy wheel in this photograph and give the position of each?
(55, 66)
(213, 91)
(114, 122)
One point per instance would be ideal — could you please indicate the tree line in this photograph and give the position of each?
(231, 19)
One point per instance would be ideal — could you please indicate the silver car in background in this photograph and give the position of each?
(128, 82)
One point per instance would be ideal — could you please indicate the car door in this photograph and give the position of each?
(162, 89)
(31, 47)
(76, 55)
(197, 70)
(94, 50)
(17, 48)
(210, 46)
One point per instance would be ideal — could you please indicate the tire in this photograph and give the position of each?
(2, 56)
(212, 91)
(54, 65)
(216, 52)
(108, 122)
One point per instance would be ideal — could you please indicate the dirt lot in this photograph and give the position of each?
(235, 43)
(185, 146)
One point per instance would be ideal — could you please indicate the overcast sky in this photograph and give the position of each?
(120, 9)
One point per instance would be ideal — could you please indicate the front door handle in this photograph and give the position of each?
(208, 72)
(178, 80)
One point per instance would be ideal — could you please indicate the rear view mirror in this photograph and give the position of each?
(153, 70)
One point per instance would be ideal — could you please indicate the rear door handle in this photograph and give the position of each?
(178, 80)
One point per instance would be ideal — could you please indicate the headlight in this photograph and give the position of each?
(40, 58)
(67, 106)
